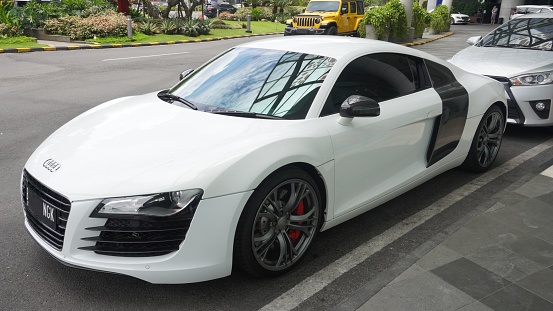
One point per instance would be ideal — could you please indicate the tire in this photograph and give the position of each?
(332, 31)
(452, 22)
(276, 229)
(486, 142)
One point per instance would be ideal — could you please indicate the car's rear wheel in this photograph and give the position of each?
(278, 223)
(332, 30)
(487, 141)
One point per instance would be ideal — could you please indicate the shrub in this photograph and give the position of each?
(108, 24)
(169, 26)
(421, 19)
(439, 18)
(398, 19)
(378, 18)
(148, 27)
(9, 31)
(228, 16)
(257, 14)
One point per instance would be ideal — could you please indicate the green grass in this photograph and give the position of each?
(256, 28)
(18, 42)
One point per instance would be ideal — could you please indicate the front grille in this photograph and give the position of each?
(138, 237)
(54, 233)
(305, 21)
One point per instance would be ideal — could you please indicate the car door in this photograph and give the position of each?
(344, 18)
(376, 155)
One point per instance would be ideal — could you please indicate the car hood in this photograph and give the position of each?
(502, 62)
(133, 145)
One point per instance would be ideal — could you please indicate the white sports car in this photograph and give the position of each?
(248, 157)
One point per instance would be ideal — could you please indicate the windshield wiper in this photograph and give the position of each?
(163, 95)
(245, 114)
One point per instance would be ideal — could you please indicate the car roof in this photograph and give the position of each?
(330, 46)
(547, 14)
(535, 6)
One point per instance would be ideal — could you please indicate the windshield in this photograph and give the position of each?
(267, 82)
(529, 33)
(323, 6)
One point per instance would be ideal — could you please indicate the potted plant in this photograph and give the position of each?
(378, 22)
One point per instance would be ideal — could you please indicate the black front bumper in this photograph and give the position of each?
(304, 31)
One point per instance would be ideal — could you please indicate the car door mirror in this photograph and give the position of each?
(185, 73)
(473, 40)
(359, 106)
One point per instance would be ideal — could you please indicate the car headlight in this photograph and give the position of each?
(152, 205)
(539, 78)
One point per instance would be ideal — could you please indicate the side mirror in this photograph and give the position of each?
(185, 73)
(474, 40)
(359, 106)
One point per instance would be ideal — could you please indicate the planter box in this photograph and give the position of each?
(370, 32)
(41, 34)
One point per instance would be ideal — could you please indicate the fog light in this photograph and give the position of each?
(540, 106)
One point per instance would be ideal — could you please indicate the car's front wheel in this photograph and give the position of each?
(486, 142)
(278, 224)
(332, 30)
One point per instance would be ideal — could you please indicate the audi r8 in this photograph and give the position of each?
(248, 157)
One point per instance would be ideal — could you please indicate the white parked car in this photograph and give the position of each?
(519, 54)
(459, 18)
(521, 10)
(248, 157)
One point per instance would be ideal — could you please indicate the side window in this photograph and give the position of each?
(344, 8)
(442, 78)
(352, 7)
(360, 7)
(381, 77)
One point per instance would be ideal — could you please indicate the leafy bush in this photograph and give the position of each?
(257, 14)
(398, 19)
(169, 26)
(227, 16)
(9, 31)
(148, 27)
(107, 24)
(421, 19)
(378, 18)
(439, 18)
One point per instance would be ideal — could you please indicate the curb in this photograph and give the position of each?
(127, 45)
(124, 45)
(424, 41)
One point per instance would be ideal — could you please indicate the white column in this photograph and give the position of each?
(431, 5)
(409, 12)
(449, 2)
(506, 5)
(408, 4)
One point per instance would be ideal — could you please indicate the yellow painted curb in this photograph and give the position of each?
(23, 50)
(154, 43)
(95, 46)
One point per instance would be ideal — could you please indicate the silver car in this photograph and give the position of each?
(519, 54)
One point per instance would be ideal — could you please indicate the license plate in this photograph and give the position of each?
(42, 211)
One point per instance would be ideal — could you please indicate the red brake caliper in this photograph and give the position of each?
(293, 233)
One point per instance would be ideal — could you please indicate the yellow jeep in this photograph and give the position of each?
(330, 17)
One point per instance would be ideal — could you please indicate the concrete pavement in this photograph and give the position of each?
(498, 258)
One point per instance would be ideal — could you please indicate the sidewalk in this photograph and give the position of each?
(500, 258)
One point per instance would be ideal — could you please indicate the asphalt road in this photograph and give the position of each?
(41, 91)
